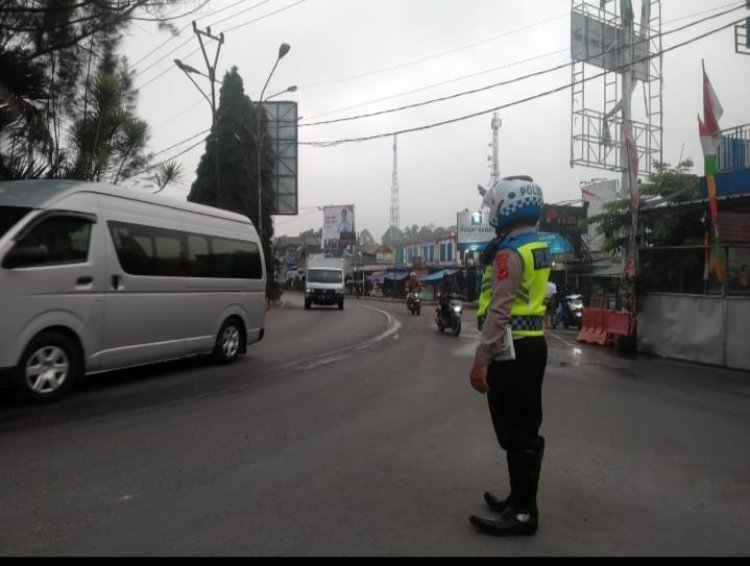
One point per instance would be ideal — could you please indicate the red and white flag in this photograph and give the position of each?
(712, 113)
(712, 109)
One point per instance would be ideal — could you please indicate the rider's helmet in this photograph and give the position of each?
(514, 200)
(412, 274)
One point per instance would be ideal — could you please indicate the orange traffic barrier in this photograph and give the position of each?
(619, 325)
(593, 329)
(586, 325)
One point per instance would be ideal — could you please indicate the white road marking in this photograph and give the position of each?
(341, 354)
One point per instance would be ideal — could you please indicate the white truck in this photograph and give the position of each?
(325, 282)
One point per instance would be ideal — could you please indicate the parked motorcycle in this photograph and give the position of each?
(448, 313)
(414, 302)
(570, 312)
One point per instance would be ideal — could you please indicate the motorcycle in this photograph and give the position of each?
(570, 312)
(414, 302)
(448, 313)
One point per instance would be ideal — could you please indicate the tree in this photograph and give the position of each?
(659, 227)
(425, 234)
(48, 50)
(108, 138)
(392, 237)
(365, 239)
(234, 138)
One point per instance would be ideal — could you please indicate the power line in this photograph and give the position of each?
(493, 69)
(189, 26)
(179, 143)
(516, 102)
(238, 26)
(436, 55)
(501, 83)
(326, 144)
(443, 83)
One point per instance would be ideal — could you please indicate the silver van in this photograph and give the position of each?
(95, 278)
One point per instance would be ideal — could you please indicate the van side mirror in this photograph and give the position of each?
(25, 256)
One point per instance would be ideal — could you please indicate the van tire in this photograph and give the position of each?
(56, 351)
(341, 304)
(308, 304)
(228, 341)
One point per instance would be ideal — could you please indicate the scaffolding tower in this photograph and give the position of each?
(606, 44)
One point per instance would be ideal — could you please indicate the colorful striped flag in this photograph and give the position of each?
(710, 135)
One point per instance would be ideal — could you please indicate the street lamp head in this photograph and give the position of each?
(284, 49)
(186, 68)
(292, 88)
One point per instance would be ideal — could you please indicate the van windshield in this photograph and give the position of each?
(324, 276)
(9, 215)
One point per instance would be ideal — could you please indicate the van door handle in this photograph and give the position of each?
(116, 282)
(85, 280)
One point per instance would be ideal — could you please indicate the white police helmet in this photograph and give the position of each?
(514, 200)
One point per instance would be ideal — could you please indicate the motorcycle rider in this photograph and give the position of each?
(448, 287)
(412, 286)
(520, 269)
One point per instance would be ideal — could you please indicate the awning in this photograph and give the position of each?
(376, 277)
(438, 275)
(396, 275)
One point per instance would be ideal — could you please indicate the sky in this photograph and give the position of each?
(354, 57)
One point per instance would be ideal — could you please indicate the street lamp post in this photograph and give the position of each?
(283, 50)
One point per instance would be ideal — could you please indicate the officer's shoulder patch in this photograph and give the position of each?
(542, 258)
(501, 265)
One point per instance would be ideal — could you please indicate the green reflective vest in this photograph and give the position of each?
(528, 309)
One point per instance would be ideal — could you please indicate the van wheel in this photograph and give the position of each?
(228, 342)
(308, 304)
(341, 304)
(49, 366)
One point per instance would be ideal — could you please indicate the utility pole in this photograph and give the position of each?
(214, 114)
(497, 123)
(395, 212)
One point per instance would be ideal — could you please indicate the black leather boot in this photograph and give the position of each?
(511, 522)
(495, 503)
(519, 515)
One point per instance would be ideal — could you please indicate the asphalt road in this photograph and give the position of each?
(356, 433)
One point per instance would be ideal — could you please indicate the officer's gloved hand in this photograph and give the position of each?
(480, 322)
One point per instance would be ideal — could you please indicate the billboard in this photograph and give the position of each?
(339, 233)
(605, 45)
(474, 228)
(282, 130)
(562, 219)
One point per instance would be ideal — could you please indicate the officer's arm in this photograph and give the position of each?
(506, 278)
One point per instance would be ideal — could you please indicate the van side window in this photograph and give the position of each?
(236, 259)
(199, 256)
(57, 240)
(145, 250)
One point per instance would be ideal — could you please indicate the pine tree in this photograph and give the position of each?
(234, 138)
(48, 50)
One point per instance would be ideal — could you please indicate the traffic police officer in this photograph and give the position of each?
(520, 271)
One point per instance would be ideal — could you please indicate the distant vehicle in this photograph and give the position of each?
(448, 312)
(325, 282)
(97, 278)
(414, 302)
(570, 311)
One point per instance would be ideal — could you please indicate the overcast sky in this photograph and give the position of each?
(352, 57)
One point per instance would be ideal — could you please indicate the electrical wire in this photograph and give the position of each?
(238, 26)
(188, 26)
(487, 71)
(501, 83)
(519, 101)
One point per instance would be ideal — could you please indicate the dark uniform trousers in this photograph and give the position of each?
(515, 400)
